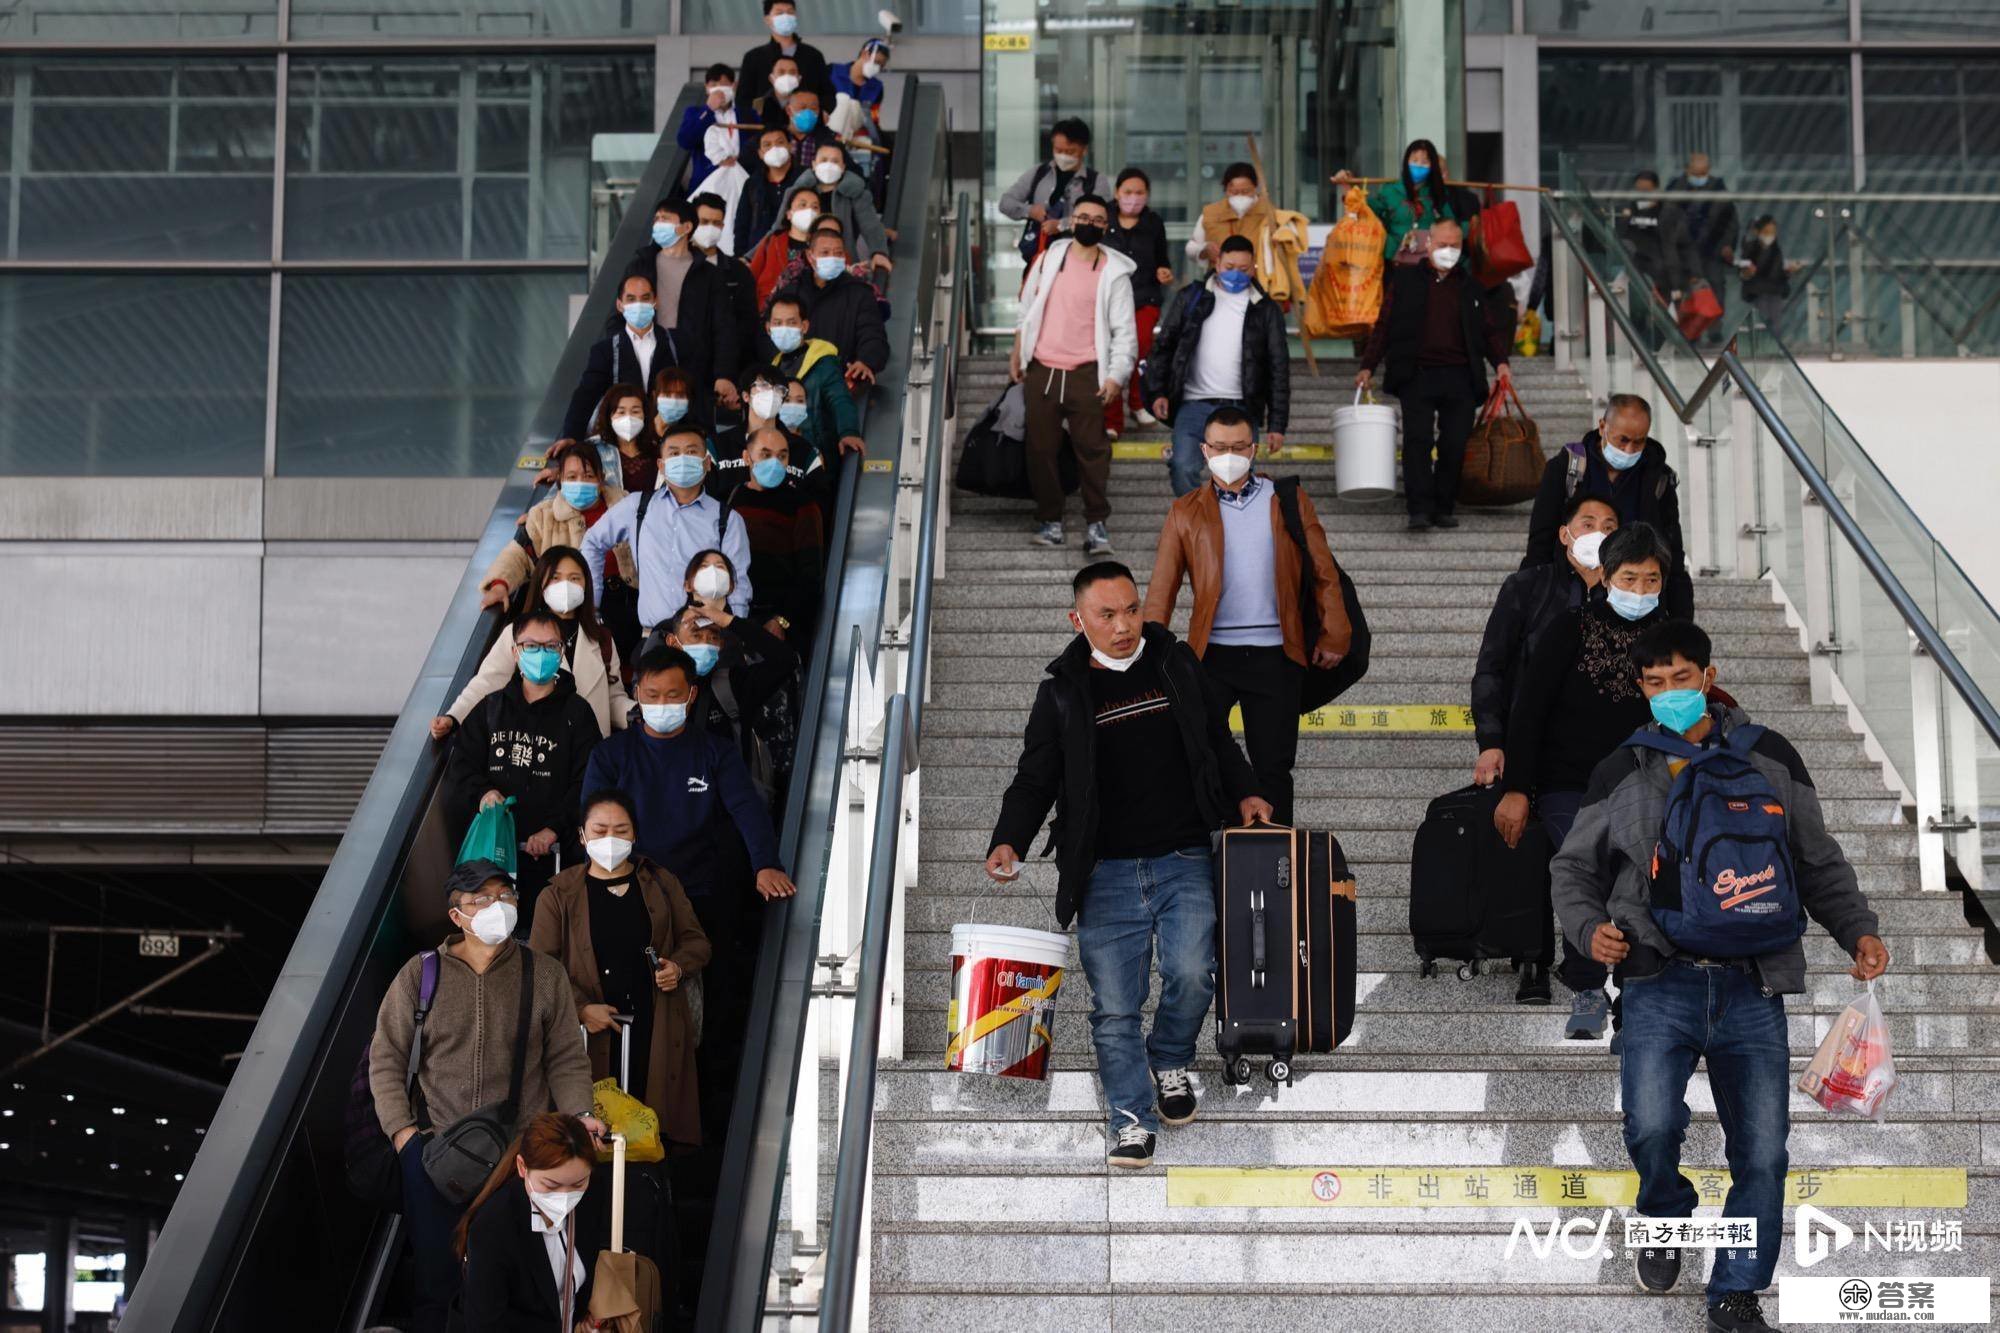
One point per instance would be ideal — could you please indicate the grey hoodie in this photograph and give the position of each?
(1602, 872)
(851, 203)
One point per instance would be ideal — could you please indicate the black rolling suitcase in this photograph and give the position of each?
(1284, 948)
(1472, 896)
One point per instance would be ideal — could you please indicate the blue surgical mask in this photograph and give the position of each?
(684, 470)
(671, 409)
(1617, 459)
(1677, 710)
(785, 25)
(705, 656)
(1419, 171)
(1697, 181)
(639, 314)
(805, 119)
(539, 665)
(769, 472)
(829, 267)
(792, 415)
(786, 338)
(1632, 605)
(580, 494)
(664, 717)
(1234, 279)
(666, 235)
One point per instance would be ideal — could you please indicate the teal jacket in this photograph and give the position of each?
(1392, 205)
(831, 413)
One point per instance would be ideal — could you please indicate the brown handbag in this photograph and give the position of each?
(1503, 455)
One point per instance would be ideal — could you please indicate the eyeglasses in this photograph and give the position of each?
(1246, 447)
(487, 900)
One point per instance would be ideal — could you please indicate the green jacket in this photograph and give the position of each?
(1391, 203)
(831, 413)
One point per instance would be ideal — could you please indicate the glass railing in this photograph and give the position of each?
(1776, 486)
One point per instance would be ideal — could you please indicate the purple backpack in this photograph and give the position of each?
(373, 1172)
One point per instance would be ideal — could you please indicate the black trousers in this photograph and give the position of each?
(1265, 684)
(1438, 408)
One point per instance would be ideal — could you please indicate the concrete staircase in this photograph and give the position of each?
(992, 1199)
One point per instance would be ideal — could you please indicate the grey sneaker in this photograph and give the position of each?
(1049, 534)
(1134, 1147)
(1587, 1013)
(1096, 541)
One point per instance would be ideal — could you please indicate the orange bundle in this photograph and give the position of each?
(1346, 292)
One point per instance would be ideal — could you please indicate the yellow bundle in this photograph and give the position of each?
(1528, 334)
(1346, 293)
(625, 1114)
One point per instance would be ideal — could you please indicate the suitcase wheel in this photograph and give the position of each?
(1278, 1072)
(1468, 970)
(1240, 1071)
(1427, 968)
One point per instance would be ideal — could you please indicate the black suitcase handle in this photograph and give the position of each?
(1257, 959)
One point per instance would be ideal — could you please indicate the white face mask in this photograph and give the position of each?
(609, 853)
(870, 68)
(728, 92)
(555, 1205)
(775, 157)
(706, 235)
(563, 596)
(711, 581)
(493, 923)
(1229, 468)
(1119, 663)
(764, 402)
(786, 84)
(828, 173)
(1586, 549)
(627, 428)
(1242, 203)
(1068, 161)
(802, 218)
(1444, 256)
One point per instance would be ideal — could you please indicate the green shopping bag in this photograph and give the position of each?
(491, 837)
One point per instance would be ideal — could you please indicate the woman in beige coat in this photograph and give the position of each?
(597, 920)
(558, 519)
(560, 584)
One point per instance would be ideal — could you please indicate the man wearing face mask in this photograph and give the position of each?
(804, 119)
(1221, 344)
(470, 1033)
(1712, 227)
(702, 334)
(668, 527)
(831, 420)
(842, 310)
(1713, 994)
(739, 286)
(857, 86)
(1232, 539)
(781, 17)
(1437, 330)
(1622, 465)
(717, 109)
(626, 354)
(787, 541)
(1529, 602)
(1048, 193)
(741, 665)
(723, 191)
(1656, 234)
(1129, 741)
(1576, 702)
(762, 202)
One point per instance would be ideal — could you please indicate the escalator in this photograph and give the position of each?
(264, 1232)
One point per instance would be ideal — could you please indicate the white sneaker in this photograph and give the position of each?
(1144, 418)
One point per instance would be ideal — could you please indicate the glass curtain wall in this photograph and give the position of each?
(415, 265)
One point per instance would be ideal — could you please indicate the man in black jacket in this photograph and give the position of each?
(628, 353)
(1618, 462)
(1656, 233)
(843, 311)
(531, 741)
(695, 313)
(739, 285)
(1129, 741)
(1221, 344)
(1712, 227)
(1437, 329)
(753, 72)
(1531, 598)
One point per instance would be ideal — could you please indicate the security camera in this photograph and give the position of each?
(890, 23)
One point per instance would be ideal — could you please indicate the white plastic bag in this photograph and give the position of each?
(1853, 1071)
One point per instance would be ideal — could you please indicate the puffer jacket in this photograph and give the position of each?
(1602, 872)
(554, 521)
(1267, 357)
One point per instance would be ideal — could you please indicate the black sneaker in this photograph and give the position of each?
(1658, 1270)
(1534, 987)
(1445, 521)
(1176, 1096)
(1419, 523)
(1738, 1312)
(1135, 1145)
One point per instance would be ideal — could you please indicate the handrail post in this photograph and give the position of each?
(1594, 323)
(1748, 522)
(1927, 734)
(1818, 608)
(1962, 804)
(1563, 332)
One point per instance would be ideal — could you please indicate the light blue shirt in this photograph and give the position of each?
(674, 534)
(1246, 613)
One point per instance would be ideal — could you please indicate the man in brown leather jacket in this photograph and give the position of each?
(1248, 625)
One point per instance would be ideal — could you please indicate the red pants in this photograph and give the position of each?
(1146, 316)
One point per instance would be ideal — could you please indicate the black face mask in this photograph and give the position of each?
(1087, 234)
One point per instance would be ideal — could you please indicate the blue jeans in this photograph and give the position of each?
(1187, 467)
(1688, 1013)
(428, 1221)
(1127, 906)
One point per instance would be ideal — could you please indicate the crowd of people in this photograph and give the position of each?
(1595, 688)
(638, 713)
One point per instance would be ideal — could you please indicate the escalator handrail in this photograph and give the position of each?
(223, 1197)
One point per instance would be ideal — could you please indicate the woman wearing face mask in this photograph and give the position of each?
(526, 1227)
(1243, 210)
(559, 518)
(842, 193)
(790, 233)
(598, 919)
(1138, 233)
(560, 584)
(1577, 701)
(626, 439)
(1419, 196)
(742, 662)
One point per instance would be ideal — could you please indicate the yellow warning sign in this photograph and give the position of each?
(532, 462)
(1291, 453)
(878, 465)
(1537, 1186)
(1007, 41)
(1385, 718)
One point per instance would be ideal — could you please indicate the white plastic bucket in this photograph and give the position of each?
(1004, 981)
(1364, 450)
